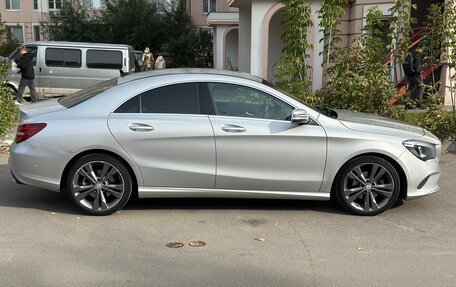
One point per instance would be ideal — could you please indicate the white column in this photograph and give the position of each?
(318, 47)
(259, 10)
(219, 47)
(245, 16)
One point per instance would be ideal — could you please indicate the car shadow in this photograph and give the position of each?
(23, 196)
(231, 204)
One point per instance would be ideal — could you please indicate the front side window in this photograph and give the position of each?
(241, 101)
(13, 4)
(70, 58)
(55, 4)
(173, 99)
(104, 59)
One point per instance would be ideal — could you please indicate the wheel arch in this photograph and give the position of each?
(395, 164)
(66, 170)
(12, 86)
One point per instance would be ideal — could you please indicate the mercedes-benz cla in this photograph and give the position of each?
(209, 133)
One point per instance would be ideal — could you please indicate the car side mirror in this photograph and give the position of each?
(300, 116)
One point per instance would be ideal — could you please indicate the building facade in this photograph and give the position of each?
(249, 40)
(246, 33)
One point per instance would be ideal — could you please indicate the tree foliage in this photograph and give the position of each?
(8, 110)
(329, 14)
(293, 65)
(73, 23)
(359, 79)
(8, 43)
(136, 23)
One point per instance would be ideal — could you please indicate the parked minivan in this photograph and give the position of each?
(62, 68)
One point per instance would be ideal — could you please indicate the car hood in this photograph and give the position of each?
(376, 124)
(42, 107)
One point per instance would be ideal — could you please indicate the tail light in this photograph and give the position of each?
(27, 131)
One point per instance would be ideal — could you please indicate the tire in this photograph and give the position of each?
(99, 184)
(367, 186)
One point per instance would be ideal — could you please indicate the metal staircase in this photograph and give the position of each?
(397, 75)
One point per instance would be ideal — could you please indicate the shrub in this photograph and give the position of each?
(8, 110)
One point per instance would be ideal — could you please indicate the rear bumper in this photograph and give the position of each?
(36, 166)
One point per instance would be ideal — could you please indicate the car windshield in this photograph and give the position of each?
(87, 93)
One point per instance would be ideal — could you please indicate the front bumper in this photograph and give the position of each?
(422, 176)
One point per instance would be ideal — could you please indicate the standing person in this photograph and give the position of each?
(25, 65)
(148, 59)
(413, 67)
(160, 64)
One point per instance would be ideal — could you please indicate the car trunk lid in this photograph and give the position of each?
(38, 108)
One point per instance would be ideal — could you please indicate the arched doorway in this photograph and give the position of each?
(274, 44)
(230, 60)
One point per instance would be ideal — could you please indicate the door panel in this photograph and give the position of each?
(171, 150)
(262, 154)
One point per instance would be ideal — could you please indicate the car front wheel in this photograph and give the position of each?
(99, 184)
(367, 185)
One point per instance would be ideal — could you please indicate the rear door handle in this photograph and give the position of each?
(140, 127)
(233, 128)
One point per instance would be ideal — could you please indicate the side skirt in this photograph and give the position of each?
(170, 192)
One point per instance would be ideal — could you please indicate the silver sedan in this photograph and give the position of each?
(209, 133)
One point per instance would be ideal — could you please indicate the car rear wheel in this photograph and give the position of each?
(99, 184)
(367, 186)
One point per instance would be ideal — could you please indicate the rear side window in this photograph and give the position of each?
(173, 99)
(104, 59)
(56, 57)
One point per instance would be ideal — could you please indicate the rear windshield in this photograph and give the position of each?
(87, 93)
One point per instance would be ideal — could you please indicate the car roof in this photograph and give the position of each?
(186, 71)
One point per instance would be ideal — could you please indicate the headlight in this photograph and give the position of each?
(421, 150)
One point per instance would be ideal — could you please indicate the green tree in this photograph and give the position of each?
(441, 45)
(401, 26)
(329, 14)
(8, 43)
(133, 22)
(73, 23)
(294, 69)
(359, 79)
(186, 44)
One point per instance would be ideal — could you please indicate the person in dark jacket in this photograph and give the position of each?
(25, 65)
(413, 66)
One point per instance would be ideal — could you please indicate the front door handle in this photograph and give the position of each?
(140, 127)
(233, 128)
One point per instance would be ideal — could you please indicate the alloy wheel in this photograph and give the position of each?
(369, 187)
(98, 186)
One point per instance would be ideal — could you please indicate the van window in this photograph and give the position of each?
(57, 57)
(104, 59)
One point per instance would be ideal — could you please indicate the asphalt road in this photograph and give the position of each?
(44, 241)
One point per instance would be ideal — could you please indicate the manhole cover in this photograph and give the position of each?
(197, 244)
(174, 245)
